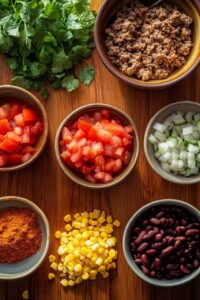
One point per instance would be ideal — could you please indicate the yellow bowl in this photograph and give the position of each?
(108, 11)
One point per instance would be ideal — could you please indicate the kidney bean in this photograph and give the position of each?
(145, 270)
(171, 222)
(180, 238)
(184, 269)
(149, 227)
(157, 263)
(138, 261)
(133, 246)
(182, 260)
(190, 267)
(198, 254)
(137, 230)
(153, 274)
(151, 252)
(195, 264)
(172, 267)
(144, 259)
(170, 240)
(191, 232)
(142, 247)
(155, 221)
(177, 244)
(156, 245)
(160, 214)
(163, 222)
(183, 222)
(150, 235)
(180, 229)
(168, 250)
(158, 237)
(140, 237)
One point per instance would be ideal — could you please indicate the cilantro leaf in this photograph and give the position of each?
(22, 81)
(87, 75)
(70, 83)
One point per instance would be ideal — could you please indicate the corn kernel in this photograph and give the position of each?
(96, 213)
(78, 280)
(25, 294)
(85, 276)
(52, 258)
(54, 266)
(76, 216)
(58, 234)
(101, 269)
(78, 268)
(71, 282)
(67, 218)
(112, 253)
(116, 223)
(85, 214)
(109, 219)
(101, 220)
(105, 275)
(68, 227)
(99, 261)
(51, 276)
(103, 214)
(93, 273)
(64, 282)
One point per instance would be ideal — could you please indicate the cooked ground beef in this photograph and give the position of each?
(149, 44)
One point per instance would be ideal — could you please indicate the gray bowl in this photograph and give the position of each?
(127, 250)
(29, 265)
(160, 116)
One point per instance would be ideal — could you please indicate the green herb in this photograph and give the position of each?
(44, 41)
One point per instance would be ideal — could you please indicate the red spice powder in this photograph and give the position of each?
(20, 234)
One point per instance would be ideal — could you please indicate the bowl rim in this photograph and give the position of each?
(75, 177)
(129, 80)
(29, 204)
(168, 176)
(126, 248)
(42, 110)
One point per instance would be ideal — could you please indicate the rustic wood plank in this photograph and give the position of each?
(45, 184)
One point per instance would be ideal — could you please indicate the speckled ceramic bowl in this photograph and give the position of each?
(127, 250)
(160, 116)
(125, 119)
(106, 14)
(29, 265)
(20, 94)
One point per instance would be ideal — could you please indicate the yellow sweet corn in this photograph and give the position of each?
(25, 294)
(87, 248)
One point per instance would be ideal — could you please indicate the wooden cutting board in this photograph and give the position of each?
(45, 184)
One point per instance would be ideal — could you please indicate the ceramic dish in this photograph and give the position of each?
(29, 265)
(127, 250)
(160, 116)
(108, 11)
(9, 91)
(126, 120)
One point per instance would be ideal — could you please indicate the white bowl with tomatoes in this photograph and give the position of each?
(23, 128)
(97, 145)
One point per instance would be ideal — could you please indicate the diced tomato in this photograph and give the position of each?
(129, 129)
(100, 162)
(127, 157)
(9, 145)
(84, 125)
(119, 153)
(116, 129)
(26, 157)
(4, 126)
(66, 155)
(2, 137)
(13, 136)
(98, 116)
(14, 110)
(116, 141)
(87, 170)
(28, 149)
(110, 163)
(3, 113)
(33, 140)
(73, 146)
(105, 136)
(126, 142)
(92, 134)
(18, 130)
(105, 113)
(97, 148)
(3, 160)
(79, 134)
(79, 164)
(25, 139)
(66, 135)
(82, 142)
(14, 159)
(30, 116)
(90, 178)
(108, 150)
(76, 156)
(118, 166)
(37, 128)
(19, 119)
(103, 177)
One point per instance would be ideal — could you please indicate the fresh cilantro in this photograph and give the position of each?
(44, 41)
(87, 75)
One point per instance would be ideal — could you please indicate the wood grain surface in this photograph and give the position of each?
(44, 183)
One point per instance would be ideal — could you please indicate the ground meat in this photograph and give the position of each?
(149, 44)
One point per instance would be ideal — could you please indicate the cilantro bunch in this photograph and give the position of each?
(44, 41)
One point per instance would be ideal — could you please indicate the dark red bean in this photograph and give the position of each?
(191, 232)
(177, 244)
(198, 254)
(157, 245)
(158, 237)
(168, 250)
(138, 261)
(149, 227)
(137, 230)
(140, 237)
(157, 263)
(143, 247)
(153, 274)
(149, 235)
(180, 238)
(151, 252)
(195, 264)
(180, 229)
(144, 259)
(145, 270)
(182, 260)
(160, 215)
(171, 240)
(172, 267)
(184, 269)
(155, 221)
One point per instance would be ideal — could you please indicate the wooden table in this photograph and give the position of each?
(45, 184)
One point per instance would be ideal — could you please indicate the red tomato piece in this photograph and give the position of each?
(37, 128)
(79, 134)
(26, 157)
(126, 142)
(28, 149)
(116, 141)
(82, 142)
(118, 166)
(3, 160)
(119, 153)
(84, 125)
(25, 139)
(14, 159)
(103, 177)
(13, 136)
(3, 113)
(66, 135)
(127, 157)
(97, 148)
(4, 126)
(105, 136)
(110, 163)
(92, 134)
(14, 110)
(76, 156)
(98, 116)
(2, 137)
(108, 150)
(19, 119)
(66, 155)
(9, 145)
(90, 178)
(116, 129)
(87, 170)
(73, 146)
(100, 162)
(129, 129)
(30, 116)
(18, 130)
(105, 113)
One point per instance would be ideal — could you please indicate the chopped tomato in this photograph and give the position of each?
(18, 130)
(3, 113)
(28, 149)
(3, 160)
(96, 146)
(9, 145)
(37, 128)
(4, 126)
(2, 137)
(13, 136)
(19, 119)
(25, 139)
(84, 125)
(14, 110)
(14, 159)
(30, 116)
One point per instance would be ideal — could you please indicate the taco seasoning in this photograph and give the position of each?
(20, 234)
